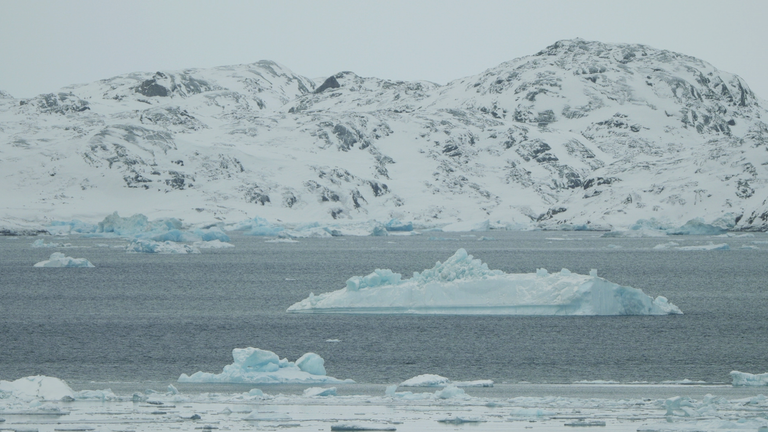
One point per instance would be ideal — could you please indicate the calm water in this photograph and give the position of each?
(143, 317)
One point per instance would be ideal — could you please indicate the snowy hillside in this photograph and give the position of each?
(582, 134)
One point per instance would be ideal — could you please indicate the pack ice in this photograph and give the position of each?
(463, 285)
(257, 366)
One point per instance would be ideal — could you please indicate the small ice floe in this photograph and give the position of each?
(708, 247)
(40, 243)
(58, 259)
(667, 245)
(281, 240)
(529, 413)
(585, 423)
(253, 365)
(165, 247)
(362, 427)
(333, 340)
(461, 420)
(320, 391)
(431, 380)
(212, 244)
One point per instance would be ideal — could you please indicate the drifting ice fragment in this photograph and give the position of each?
(463, 285)
(58, 259)
(253, 365)
(748, 379)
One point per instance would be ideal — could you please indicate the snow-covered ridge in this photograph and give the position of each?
(464, 285)
(581, 135)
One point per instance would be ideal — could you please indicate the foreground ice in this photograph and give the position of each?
(748, 379)
(164, 247)
(253, 365)
(48, 404)
(58, 259)
(463, 285)
(432, 380)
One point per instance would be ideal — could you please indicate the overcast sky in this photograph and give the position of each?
(47, 44)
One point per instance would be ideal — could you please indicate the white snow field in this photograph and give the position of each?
(47, 404)
(58, 259)
(463, 285)
(256, 366)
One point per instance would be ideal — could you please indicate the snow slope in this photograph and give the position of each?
(580, 135)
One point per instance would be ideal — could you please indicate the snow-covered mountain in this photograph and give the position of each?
(582, 134)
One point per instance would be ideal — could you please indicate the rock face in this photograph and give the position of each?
(580, 135)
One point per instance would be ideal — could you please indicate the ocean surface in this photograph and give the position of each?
(149, 317)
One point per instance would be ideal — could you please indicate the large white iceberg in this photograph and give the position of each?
(58, 259)
(463, 285)
(256, 366)
(36, 387)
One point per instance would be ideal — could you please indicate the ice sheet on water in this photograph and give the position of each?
(320, 392)
(253, 365)
(748, 379)
(165, 247)
(432, 380)
(212, 244)
(58, 259)
(40, 243)
(707, 247)
(464, 285)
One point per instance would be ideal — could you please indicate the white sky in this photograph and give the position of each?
(48, 44)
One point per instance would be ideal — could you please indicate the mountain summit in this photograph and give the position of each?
(579, 135)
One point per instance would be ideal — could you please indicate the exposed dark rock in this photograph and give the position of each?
(331, 82)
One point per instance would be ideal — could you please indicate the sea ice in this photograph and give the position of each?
(212, 244)
(748, 379)
(710, 246)
(36, 387)
(253, 365)
(463, 285)
(320, 391)
(58, 259)
(431, 380)
(166, 247)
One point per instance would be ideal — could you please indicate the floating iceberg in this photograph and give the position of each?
(463, 285)
(36, 387)
(256, 366)
(710, 246)
(166, 247)
(212, 244)
(747, 379)
(699, 227)
(431, 380)
(58, 259)
(138, 226)
(396, 225)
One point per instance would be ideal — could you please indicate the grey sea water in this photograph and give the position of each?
(146, 317)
